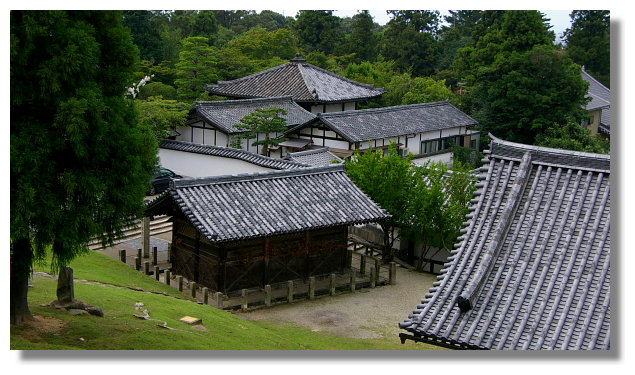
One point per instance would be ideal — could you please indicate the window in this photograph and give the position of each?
(430, 146)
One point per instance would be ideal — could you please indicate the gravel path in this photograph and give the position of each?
(367, 313)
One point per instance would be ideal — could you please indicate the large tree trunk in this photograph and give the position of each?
(21, 261)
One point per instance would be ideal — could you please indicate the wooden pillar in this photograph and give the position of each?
(392, 273)
(332, 284)
(139, 253)
(349, 258)
(218, 299)
(267, 295)
(243, 297)
(146, 236)
(267, 256)
(156, 272)
(362, 264)
(146, 268)
(154, 256)
(193, 289)
(353, 280)
(137, 263)
(122, 255)
(290, 291)
(197, 257)
(205, 292)
(373, 277)
(377, 268)
(167, 276)
(179, 282)
(311, 287)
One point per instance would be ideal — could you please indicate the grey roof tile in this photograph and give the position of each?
(318, 157)
(299, 79)
(377, 123)
(232, 153)
(227, 113)
(532, 268)
(229, 208)
(600, 98)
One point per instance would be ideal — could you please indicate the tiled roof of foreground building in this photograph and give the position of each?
(299, 79)
(230, 208)
(532, 268)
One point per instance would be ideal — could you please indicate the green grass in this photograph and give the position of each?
(119, 329)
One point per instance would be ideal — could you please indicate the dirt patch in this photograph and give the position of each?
(365, 314)
(33, 329)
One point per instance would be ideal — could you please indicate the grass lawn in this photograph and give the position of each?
(121, 330)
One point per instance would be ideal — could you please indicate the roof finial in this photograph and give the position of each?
(298, 58)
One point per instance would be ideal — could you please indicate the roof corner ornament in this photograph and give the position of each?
(298, 58)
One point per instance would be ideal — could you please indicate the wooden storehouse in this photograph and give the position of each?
(245, 231)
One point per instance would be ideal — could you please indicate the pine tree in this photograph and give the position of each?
(80, 164)
(196, 68)
(266, 121)
(589, 42)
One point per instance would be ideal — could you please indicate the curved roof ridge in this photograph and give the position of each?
(332, 74)
(522, 146)
(247, 100)
(222, 83)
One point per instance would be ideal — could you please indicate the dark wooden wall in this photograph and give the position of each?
(253, 263)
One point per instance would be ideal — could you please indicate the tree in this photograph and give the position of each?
(265, 121)
(146, 32)
(409, 40)
(426, 90)
(519, 83)
(589, 42)
(387, 180)
(573, 136)
(318, 30)
(162, 116)
(363, 41)
(196, 68)
(438, 206)
(80, 163)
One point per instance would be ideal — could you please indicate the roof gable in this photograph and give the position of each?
(227, 113)
(302, 81)
(377, 123)
(532, 268)
(600, 98)
(230, 208)
(319, 157)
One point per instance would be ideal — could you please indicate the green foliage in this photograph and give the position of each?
(426, 203)
(265, 121)
(318, 30)
(363, 41)
(162, 116)
(196, 68)
(425, 90)
(519, 83)
(80, 162)
(157, 89)
(146, 31)
(589, 42)
(573, 136)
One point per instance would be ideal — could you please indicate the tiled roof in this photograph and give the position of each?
(232, 153)
(531, 269)
(600, 98)
(377, 123)
(318, 158)
(227, 113)
(299, 79)
(229, 208)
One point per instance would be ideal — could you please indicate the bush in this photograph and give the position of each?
(157, 89)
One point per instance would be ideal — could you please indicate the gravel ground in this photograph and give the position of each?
(365, 314)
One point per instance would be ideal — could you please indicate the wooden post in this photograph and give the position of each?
(122, 255)
(146, 236)
(290, 291)
(332, 284)
(139, 253)
(218, 299)
(137, 263)
(167, 276)
(362, 264)
(146, 268)
(267, 295)
(156, 273)
(243, 295)
(179, 282)
(154, 256)
(193, 289)
(311, 287)
(349, 258)
(353, 280)
(377, 269)
(170, 252)
(373, 277)
(392, 273)
(205, 292)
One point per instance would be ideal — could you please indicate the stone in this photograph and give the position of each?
(78, 312)
(94, 310)
(65, 288)
(190, 320)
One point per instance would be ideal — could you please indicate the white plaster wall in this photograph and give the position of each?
(189, 164)
(446, 158)
(349, 106)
